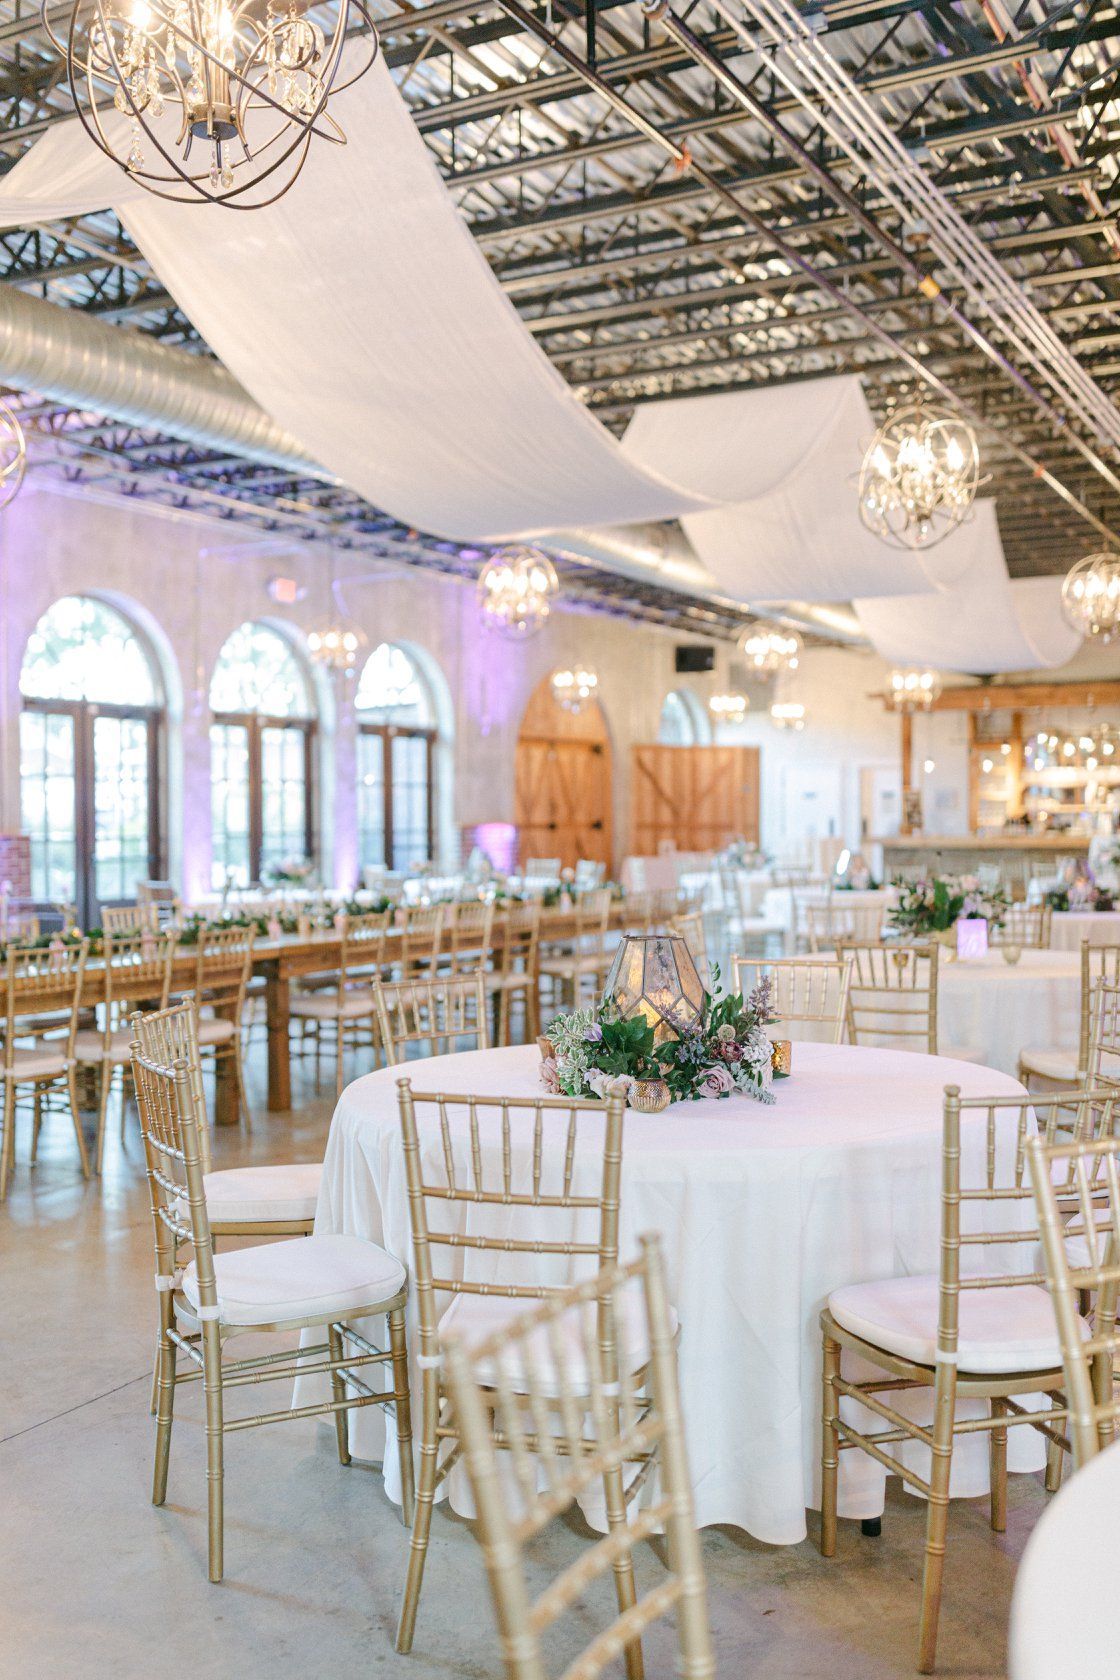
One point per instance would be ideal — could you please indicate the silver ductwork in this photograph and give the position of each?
(65, 356)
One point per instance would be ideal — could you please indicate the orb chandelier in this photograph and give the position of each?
(1091, 596)
(573, 689)
(912, 690)
(516, 588)
(729, 708)
(768, 649)
(212, 101)
(13, 455)
(787, 714)
(336, 646)
(919, 477)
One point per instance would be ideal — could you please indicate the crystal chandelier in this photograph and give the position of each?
(337, 647)
(516, 588)
(13, 455)
(787, 714)
(212, 100)
(1091, 596)
(912, 690)
(919, 477)
(573, 689)
(729, 708)
(769, 649)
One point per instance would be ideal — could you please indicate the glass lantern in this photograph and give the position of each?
(653, 975)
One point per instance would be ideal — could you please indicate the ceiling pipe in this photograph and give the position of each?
(65, 356)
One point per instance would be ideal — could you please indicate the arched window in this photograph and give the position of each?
(90, 747)
(396, 741)
(684, 722)
(261, 757)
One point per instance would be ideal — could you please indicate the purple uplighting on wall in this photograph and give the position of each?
(498, 840)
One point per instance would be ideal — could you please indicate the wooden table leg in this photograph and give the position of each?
(278, 1001)
(227, 1100)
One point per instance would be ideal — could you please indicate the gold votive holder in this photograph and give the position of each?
(1011, 953)
(650, 1096)
(546, 1048)
(781, 1058)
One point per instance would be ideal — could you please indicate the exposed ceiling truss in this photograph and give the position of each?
(642, 277)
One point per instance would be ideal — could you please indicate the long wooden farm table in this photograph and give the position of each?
(279, 962)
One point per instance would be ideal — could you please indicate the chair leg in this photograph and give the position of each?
(212, 1389)
(830, 1448)
(164, 1396)
(937, 1522)
(104, 1085)
(997, 1470)
(624, 1587)
(36, 1122)
(340, 1052)
(422, 1517)
(1054, 1464)
(403, 1409)
(7, 1141)
(246, 1113)
(338, 1394)
(76, 1116)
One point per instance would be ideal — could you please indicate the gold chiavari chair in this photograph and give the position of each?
(471, 936)
(443, 1015)
(517, 974)
(1104, 1040)
(834, 923)
(35, 979)
(560, 1361)
(1077, 1192)
(347, 1009)
(1028, 925)
(806, 992)
(1100, 964)
(585, 957)
(274, 1288)
(892, 1002)
(223, 965)
(421, 936)
(527, 1166)
(136, 972)
(641, 912)
(161, 898)
(121, 919)
(981, 1328)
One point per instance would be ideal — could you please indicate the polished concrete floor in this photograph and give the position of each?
(95, 1582)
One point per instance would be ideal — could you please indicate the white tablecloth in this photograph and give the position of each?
(988, 1005)
(1069, 927)
(763, 1210)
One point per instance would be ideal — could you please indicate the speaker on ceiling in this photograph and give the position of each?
(695, 656)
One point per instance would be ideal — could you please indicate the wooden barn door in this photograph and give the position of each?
(696, 797)
(563, 782)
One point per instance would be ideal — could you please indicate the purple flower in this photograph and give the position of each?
(594, 1034)
(717, 1082)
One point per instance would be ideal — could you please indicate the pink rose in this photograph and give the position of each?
(717, 1082)
(550, 1078)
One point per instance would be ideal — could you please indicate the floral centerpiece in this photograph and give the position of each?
(725, 1050)
(934, 905)
(292, 872)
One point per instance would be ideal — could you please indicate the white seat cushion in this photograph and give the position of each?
(321, 1007)
(215, 1029)
(251, 1195)
(1001, 1329)
(89, 1046)
(477, 1317)
(1051, 1063)
(35, 1064)
(306, 1277)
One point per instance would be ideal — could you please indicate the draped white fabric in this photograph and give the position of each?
(360, 313)
(784, 463)
(984, 623)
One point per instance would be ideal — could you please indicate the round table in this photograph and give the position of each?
(763, 1210)
(1068, 1575)
(1069, 927)
(996, 1009)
